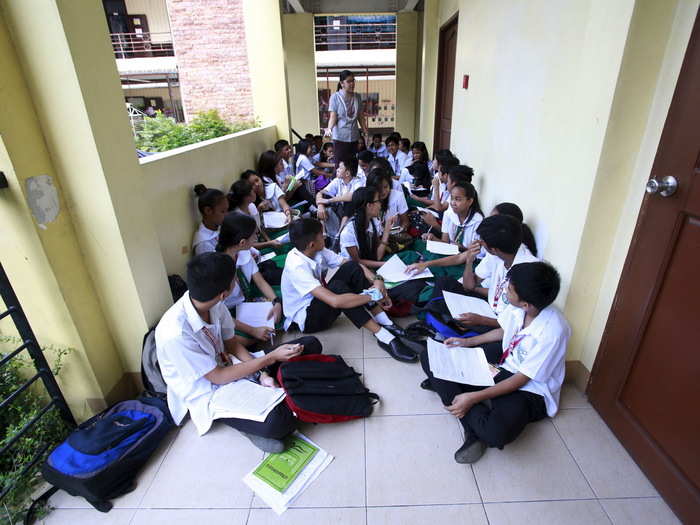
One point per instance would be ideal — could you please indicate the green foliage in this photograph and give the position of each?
(162, 133)
(48, 431)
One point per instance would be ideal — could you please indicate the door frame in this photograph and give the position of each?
(612, 365)
(452, 21)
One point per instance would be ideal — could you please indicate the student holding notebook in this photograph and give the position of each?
(529, 375)
(198, 353)
(354, 290)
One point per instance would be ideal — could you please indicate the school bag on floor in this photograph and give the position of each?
(324, 389)
(437, 316)
(100, 459)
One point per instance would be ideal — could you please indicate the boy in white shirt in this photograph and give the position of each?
(314, 305)
(530, 372)
(197, 353)
(377, 146)
(284, 150)
(397, 158)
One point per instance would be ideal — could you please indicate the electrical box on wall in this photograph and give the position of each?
(465, 82)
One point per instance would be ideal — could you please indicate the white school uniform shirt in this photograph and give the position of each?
(252, 212)
(493, 268)
(348, 236)
(338, 187)
(451, 224)
(444, 193)
(204, 240)
(397, 202)
(273, 193)
(245, 261)
(405, 176)
(538, 351)
(361, 176)
(300, 276)
(381, 151)
(188, 349)
(398, 161)
(304, 167)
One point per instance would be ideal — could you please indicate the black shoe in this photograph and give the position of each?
(427, 385)
(395, 330)
(399, 351)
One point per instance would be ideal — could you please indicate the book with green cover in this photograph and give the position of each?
(280, 470)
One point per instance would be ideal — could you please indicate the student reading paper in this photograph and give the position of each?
(530, 372)
(198, 353)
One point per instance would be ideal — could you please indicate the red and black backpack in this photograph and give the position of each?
(324, 389)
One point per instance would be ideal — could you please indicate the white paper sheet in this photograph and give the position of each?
(394, 271)
(442, 248)
(255, 314)
(462, 304)
(461, 365)
(267, 257)
(280, 501)
(244, 399)
(274, 219)
(427, 210)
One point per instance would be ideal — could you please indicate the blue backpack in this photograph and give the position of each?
(102, 457)
(436, 314)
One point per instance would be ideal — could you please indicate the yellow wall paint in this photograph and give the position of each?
(429, 56)
(74, 84)
(263, 30)
(300, 70)
(156, 14)
(407, 77)
(169, 178)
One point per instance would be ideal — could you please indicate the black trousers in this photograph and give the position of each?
(498, 424)
(493, 350)
(407, 291)
(348, 279)
(302, 193)
(280, 421)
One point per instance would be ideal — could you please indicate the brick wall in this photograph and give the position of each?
(210, 49)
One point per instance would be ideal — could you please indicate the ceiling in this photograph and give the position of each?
(350, 6)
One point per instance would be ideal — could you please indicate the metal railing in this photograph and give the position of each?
(43, 371)
(380, 35)
(131, 45)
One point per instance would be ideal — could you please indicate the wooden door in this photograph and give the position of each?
(447, 53)
(139, 35)
(646, 379)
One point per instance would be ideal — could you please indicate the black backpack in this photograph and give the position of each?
(324, 389)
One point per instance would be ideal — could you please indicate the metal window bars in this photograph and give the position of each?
(339, 36)
(31, 346)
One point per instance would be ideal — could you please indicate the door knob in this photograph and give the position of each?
(666, 187)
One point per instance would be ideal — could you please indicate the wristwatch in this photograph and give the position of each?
(277, 300)
(378, 277)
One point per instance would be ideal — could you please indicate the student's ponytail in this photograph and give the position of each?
(235, 228)
(207, 197)
(513, 210)
(239, 191)
(470, 193)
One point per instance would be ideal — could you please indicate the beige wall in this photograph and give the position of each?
(407, 76)
(169, 177)
(263, 31)
(557, 122)
(300, 71)
(157, 15)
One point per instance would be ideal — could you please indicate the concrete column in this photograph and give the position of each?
(300, 69)
(67, 61)
(407, 73)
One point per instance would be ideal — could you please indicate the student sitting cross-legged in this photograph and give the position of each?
(314, 305)
(197, 353)
(530, 371)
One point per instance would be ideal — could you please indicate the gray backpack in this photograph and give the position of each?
(151, 377)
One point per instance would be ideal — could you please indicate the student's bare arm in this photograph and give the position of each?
(488, 337)
(354, 254)
(340, 301)
(264, 286)
(225, 374)
(462, 403)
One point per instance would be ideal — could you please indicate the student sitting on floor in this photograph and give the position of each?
(333, 201)
(241, 199)
(530, 372)
(397, 158)
(513, 210)
(213, 206)
(364, 158)
(314, 305)
(383, 164)
(197, 350)
(440, 191)
(269, 165)
(284, 152)
(377, 146)
(405, 147)
(417, 154)
(393, 202)
(238, 232)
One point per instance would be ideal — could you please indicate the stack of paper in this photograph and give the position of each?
(463, 304)
(255, 314)
(467, 366)
(442, 248)
(274, 219)
(267, 257)
(427, 210)
(278, 487)
(394, 271)
(244, 399)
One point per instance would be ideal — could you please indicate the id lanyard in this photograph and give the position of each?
(514, 342)
(218, 347)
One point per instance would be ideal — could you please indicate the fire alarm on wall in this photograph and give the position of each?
(465, 82)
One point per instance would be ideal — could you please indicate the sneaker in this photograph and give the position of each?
(471, 451)
(273, 446)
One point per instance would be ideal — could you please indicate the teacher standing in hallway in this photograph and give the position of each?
(346, 118)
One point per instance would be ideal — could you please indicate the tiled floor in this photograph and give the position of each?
(396, 467)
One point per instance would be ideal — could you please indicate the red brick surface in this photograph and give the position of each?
(210, 49)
